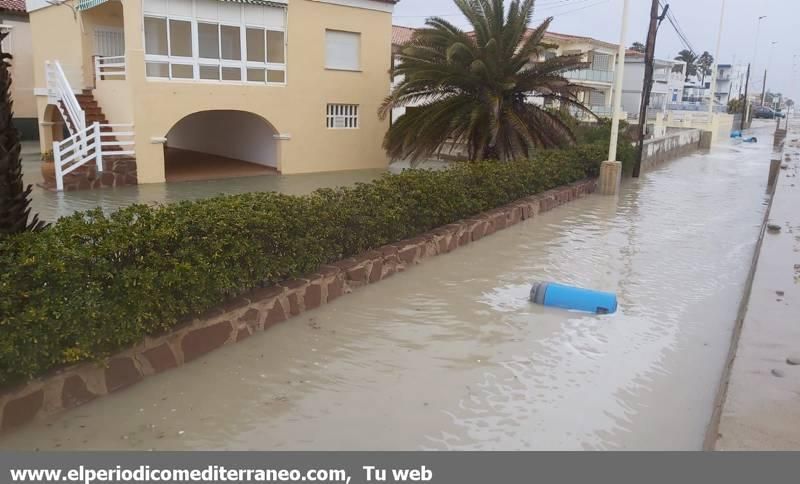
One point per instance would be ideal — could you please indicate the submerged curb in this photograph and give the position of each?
(260, 309)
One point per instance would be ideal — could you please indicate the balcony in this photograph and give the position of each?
(590, 75)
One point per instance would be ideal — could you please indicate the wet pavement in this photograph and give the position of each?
(762, 409)
(451, 355)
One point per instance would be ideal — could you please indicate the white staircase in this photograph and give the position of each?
(89, 141)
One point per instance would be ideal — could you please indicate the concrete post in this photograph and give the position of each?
(610, 177)
(774, 170)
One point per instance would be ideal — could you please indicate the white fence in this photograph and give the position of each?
(91, 145)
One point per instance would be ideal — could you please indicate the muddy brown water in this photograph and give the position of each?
(451, 355)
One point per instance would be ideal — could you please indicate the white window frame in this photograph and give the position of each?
(196, 61)
(348, 113)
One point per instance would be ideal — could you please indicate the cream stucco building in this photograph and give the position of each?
(14, 21)
(292, 86)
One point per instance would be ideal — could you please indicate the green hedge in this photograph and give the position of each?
(92, 284)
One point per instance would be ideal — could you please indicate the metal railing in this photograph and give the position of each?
(590, 75)
(61, 94)
(89, 145)
(111, 67)
(699, 106)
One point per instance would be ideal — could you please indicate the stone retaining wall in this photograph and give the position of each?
(259, 310)
(659, 150)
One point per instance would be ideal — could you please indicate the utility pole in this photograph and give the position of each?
(715, 67)
(647, 85)
(745, 103)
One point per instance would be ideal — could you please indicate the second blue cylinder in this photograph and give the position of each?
(576, 298)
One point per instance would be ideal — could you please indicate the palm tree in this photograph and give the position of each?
(704, 63)
(474, 88)
(690, 58)
(14, 198)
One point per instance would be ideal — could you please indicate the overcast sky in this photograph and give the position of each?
(699, 19)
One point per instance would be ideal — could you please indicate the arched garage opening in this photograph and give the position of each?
(208, 145)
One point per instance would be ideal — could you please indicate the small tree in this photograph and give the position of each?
(638, 47)
(704, 64)
(690, 59)
(14, 196)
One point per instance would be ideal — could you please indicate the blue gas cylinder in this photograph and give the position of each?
(569, 297)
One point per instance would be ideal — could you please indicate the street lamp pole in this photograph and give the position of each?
(746, 106)
(715, 67)
(611, 169)
(769, 61)
(617, 96)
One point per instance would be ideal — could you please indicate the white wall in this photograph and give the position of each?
(233, 134)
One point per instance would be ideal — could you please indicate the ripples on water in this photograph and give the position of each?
(452, 356)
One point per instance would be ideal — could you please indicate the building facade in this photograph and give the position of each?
(596, 82)
(291, 85)
(14, 21)
(668, 81)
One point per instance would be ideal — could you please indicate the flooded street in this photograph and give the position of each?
(451, 355)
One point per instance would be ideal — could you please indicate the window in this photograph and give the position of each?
(342, 50)
(597, 98)
(155, 36)
(256, 50)
(276, 51)
(208, 40)
(600, 62)
(342, 116)
(180, 38)
(231, 43)
(226, 41)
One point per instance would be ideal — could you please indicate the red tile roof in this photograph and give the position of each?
(575, 38)
(401, 35)
(13, 5)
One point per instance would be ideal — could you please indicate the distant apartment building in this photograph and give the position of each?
(668, 83)
(596, 82)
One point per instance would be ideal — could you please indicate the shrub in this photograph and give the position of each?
(93, 283)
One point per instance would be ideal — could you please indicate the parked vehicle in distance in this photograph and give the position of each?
(763, 112)
(779, 114)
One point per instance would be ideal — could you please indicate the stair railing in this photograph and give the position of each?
(92, 144)
(63, 96)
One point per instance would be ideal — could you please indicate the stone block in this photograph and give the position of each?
(22, 409)
(160, 358)
(120, 373)
(200, 341)
(75, 392)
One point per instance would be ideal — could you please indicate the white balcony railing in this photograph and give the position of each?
(109, 67)
(590, 75)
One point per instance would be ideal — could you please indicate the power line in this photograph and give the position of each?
(673, 20)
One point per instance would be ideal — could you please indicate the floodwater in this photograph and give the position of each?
(51, 206)
(451, 355)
